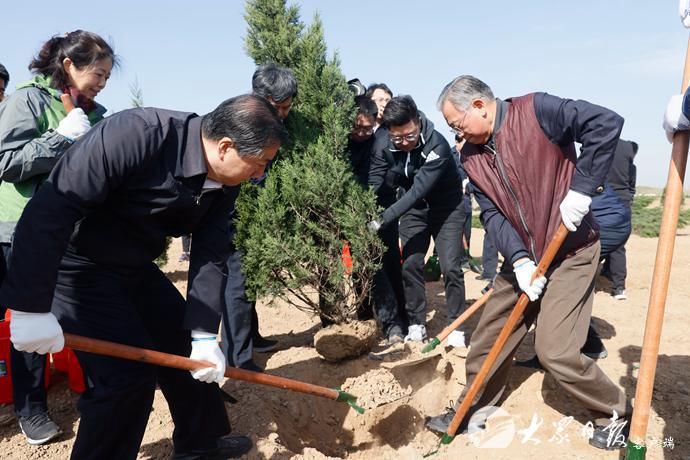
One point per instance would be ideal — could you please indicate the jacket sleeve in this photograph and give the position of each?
(378, 167)
(502, 233)
(24, 151)
(207, 268)
(438, 159)
(565, 121)
(97, 164)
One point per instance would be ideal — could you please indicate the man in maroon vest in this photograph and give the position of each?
(520, 157)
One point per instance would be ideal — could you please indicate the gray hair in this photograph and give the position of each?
(279, 83)
(463, 90)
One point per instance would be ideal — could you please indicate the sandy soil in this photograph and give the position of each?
(286, 425)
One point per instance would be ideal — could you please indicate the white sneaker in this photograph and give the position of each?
(456, 339)
(619, 294)
(416, 333)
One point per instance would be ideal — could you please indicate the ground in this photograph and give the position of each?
(285, 425)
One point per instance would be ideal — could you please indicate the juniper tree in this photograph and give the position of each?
(292, 230)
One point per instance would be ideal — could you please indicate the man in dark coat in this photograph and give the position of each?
(83, 255)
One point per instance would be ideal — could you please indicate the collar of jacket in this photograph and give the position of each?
(501, 111)
(44, 83)
(192, 167)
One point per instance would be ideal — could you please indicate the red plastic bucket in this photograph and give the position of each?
(5, 365)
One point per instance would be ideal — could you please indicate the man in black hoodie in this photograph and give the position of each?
(410, 154)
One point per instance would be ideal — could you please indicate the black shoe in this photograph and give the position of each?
(440, 423)
(227, 447)
(38, 428)
(611, 437)
(251, 366)
(263, 345)
(484, 277)
(594, 347)
(532, 363)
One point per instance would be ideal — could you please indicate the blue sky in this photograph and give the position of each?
(625, 55)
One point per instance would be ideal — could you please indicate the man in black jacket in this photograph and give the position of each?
(622, 177)
(410, 154)
(83, 255)
(240, 332)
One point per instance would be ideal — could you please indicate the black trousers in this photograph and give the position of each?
(417, 227)
(388, 293)
(240, 322)
(613, 241)
(138, 307)
(28, 369)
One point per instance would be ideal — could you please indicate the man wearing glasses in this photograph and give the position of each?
(520, 157)
(410, 154)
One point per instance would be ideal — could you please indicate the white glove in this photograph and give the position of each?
(674, 120)
(374, 226)
(36, 332)
(574, 207)
(74, 125)
(684, 11)
(205, 348)
(523, 273)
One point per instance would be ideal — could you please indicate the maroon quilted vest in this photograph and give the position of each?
(526, 177)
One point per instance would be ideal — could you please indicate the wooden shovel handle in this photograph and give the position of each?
(158, 358)
(511, 322)
(471, 310)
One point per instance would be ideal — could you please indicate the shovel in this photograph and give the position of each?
(436, 341)
(502, 338)
(158, 358)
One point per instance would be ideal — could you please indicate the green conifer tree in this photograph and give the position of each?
(292, 229)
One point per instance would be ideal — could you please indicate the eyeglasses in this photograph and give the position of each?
(459, 131)
(367, 131)
(408, 138)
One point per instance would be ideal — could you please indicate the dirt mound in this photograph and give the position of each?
(399, 392)
(375, 388)
(343, 341)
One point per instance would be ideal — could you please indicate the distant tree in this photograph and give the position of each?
(136, 94)
(293, 229)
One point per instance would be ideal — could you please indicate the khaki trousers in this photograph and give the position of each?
(562, 317)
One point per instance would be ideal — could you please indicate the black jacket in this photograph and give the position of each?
(133, 179)
(359, 154)
(428, 174)
(623, 173)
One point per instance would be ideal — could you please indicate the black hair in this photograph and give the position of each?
(366, 106)
(4, 74)
(81, 47)
(400, 111)
(634, 147)
(249, 120)
(374, 86)
(279, 83)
